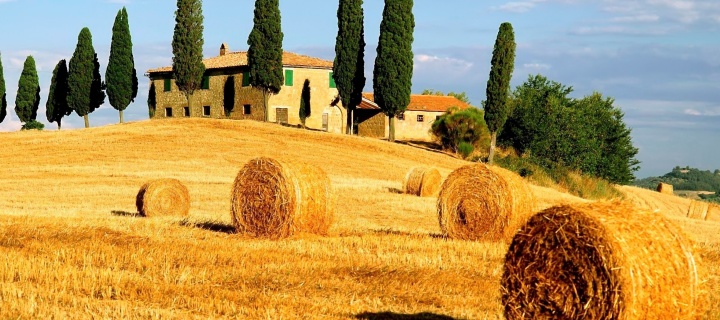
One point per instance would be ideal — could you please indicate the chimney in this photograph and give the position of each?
(223, 49)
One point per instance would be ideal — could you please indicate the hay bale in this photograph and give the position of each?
(713, 213)
(600, 261)
(478, 202)
(423, 181)
(163, 197)
(274, 199)
(665, 188)
(698, 210)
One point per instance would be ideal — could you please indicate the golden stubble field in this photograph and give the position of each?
(72, 248)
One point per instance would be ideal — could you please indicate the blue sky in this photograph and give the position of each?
(660, 59)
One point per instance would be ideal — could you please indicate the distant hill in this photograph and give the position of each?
(685, 179)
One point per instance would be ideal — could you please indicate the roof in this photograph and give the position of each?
(239, 59)
(419, 102)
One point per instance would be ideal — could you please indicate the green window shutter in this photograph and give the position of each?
(168, 85)
(246, 79)
(289, 78)
(206, 82)
(332, 81)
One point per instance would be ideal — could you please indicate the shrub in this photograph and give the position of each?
(456, 126)
(33, 125)
(465, 149)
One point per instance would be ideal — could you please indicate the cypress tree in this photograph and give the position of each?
(498, 85)
(120, 74)
(3, 96)
(305, 108)
(265, 51)
(229, 95)
(80, 75)
(97, 89)
(57, 106)
(349, 66)
(28, 94)
(188, 67)
(392, 75)
(152, 100)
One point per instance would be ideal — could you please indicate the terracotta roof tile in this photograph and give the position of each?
(239, 59)
(419, 102)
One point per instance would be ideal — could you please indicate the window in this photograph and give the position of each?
(332, 81)
(420, 118)
(247, 109)
(168, 85)
(246, 79)
(206, 111)
(187, 111)
(168, 112)
(205, 85)
(288, 78)
(401, 116)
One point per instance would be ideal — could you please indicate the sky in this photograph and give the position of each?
(659, 59)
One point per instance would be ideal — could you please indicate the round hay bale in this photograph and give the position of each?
(665, 188)
(163, 197)
(423, 181)
(698, 210)
(477, 202)
(274, 199)
(600, 261)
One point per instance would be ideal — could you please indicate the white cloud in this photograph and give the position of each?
(11, 122)
(637, 18)
(537, 66)
(424, 61)
(704, 112)
(518, 7)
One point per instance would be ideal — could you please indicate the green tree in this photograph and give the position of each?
(97, 89)
(392, 75)
(462, 96)
(305, 108)
(3, 96)
(28, 94)
(349, 66)
(120, 74)
(152, 100)
(187, 43)
(498, 85)
(57, 105)
(461, 126)
(80, 76)
(229, 95)
(265, 51)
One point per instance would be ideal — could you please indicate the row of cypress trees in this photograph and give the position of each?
(78, 86)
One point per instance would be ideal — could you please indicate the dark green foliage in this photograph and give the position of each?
(3, 95)
(587, 135)
(120, 75)
(349, 66)
(97, 89)
(152, 100)
(392, 75)
(462, 96)
(80, 74)
(135, 85)
(187, 44)
(265, 51)
(33, 125)
(465, 149)
(28, 94)
(498, 85)
(57, 106)
(229, 95)
(458, 126)
(686, 178)
(305, 109)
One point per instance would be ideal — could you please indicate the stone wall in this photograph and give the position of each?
(321, 98)
(412, 129)
(371, 123)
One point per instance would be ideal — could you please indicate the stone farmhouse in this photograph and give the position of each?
(413, 124)
(226, 94)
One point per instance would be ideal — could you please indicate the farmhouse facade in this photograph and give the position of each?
(226, 92)
(413, 124)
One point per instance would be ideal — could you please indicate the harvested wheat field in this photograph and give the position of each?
(74, 248)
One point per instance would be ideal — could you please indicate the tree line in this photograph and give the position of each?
(77, 86)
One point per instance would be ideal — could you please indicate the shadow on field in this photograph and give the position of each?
(209, 225)
(122, 213)
(396, 190)
(400, 316)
